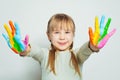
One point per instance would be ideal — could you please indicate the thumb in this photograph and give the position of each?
(26, 40)
(90, 35)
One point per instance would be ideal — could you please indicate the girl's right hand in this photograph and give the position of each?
(26, 52)
(14, 38)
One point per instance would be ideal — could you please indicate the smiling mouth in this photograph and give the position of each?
(62, 43)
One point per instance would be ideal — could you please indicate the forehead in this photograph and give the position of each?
(61, 25)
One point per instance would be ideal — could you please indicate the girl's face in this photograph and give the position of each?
(61, 38)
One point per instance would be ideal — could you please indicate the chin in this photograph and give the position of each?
(63, 49)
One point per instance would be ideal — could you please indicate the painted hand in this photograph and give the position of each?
(100, 36)
(14, 38)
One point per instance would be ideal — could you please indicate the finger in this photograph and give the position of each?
(7, 40)
(112, 32)
(12, 27)
(26, 41)
(8, 30)
(91, 35)
(17, 29)
(95, 39)
(14, 50)
(107, 25)
(9, 34)
(105, 29)
(102, 25)
(20, 43)
(97, 31)
(5, 37)
(105, 39)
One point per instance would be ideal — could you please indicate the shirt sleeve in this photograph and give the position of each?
(84, 52)
(36, 52)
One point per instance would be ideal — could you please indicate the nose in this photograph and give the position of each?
(62, 36)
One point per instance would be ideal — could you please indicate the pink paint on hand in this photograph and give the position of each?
(105, 39)
(26, 41)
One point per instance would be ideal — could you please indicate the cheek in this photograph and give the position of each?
(70, 37)
(53, 38)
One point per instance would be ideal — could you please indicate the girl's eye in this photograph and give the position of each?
(67, 32)
(56, 32)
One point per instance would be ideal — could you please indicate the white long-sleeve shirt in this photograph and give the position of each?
(63, 69)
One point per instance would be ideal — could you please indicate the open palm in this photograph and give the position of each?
(14, 38)
(100, 36)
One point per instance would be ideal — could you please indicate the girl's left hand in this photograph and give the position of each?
(100, 36)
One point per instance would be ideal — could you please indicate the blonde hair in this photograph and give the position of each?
(61, 21)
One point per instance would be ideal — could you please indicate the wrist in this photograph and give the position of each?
(93, 48)
(26, 51)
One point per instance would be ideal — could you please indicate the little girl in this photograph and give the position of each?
(60, 61)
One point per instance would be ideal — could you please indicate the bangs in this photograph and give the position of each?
(63, 23)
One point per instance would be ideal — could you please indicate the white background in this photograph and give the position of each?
(32, 17)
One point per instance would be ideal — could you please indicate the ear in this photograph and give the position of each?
(48, 36)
